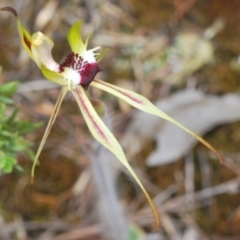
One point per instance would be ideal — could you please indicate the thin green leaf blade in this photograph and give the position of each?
(8, 89)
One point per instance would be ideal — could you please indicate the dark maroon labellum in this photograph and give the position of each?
(87, 71)
(88, 74)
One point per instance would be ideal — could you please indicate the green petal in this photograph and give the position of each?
(145, 105)
(53, 76)
(42, 51)
(49, 126)
(74, 38)
(102, 134)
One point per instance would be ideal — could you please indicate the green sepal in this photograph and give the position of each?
(75, 39)
(25, 38)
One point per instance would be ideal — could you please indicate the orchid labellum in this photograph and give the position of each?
(75, 74)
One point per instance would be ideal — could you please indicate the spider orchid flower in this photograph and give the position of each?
(75, 74)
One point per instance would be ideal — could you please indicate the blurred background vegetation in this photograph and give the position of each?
(12, 142)
(158, 48)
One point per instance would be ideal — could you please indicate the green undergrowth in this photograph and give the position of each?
(12, 130)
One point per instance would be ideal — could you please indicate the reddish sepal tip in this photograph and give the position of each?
(10, 9)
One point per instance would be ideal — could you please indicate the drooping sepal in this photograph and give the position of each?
(102, 134)
(48, 129)
(145, 105)
(25, 38)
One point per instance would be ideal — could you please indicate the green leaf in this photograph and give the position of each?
(8, 89)
(6, 163)
(12, 116)
(11, 129)
(5, 133)
(25, 127)
(135, 233)
(5, 100)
